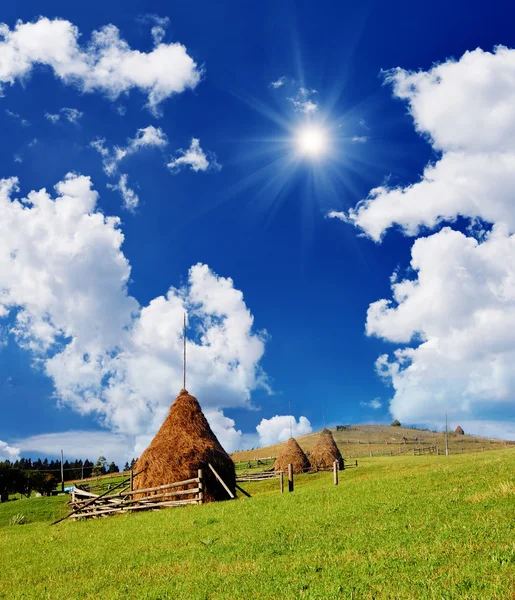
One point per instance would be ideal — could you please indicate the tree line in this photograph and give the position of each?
(25, 476)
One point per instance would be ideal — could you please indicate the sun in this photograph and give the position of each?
(312, 141)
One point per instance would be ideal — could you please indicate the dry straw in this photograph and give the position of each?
(291, 454)
(184, 444)
(459, 430)
(325, 452)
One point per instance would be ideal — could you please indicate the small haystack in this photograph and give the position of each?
(291, 454)
(459, 431)
(325, 451)
(184, 444)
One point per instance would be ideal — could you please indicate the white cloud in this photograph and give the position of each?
(195, 158)
(280, 428)
(147, 137)
(278, 83)
(465, 108)
(7, 452)
(64, 277)
(16, 116)
(360, 139)
(460, 311)
(224, 429)
(375, 404)
(106, 64)
(18, 158)
(455, 310)
(129, 196)
(80, 445)
(52, 117)
(304, 101)
(72, 115)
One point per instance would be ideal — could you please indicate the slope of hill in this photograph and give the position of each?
(412, 528)
(382, 440)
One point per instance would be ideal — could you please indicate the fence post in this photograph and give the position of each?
(200, 487)
(335, 471)
(370, 453)
(281, 482)
(290, 478)
(356, 462)
(132, 480)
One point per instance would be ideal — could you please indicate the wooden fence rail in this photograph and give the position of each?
(85, 504)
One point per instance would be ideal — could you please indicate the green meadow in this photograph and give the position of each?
(404, 527)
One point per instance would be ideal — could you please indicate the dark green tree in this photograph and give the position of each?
(101, 466)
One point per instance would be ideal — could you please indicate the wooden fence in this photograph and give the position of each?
(85, 504)
(426, 450)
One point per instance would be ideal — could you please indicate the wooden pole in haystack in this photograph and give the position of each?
(184, 355)
(290, 478)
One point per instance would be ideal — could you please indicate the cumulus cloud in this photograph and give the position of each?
(72, 115)
(280, 428)
(7, 452)
(195, 158)
(465, 109)
(63, 281)
(454, 310)
(106, 64)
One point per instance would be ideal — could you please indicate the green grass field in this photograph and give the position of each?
(401, 528)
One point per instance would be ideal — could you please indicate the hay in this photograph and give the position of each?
(291, 454)
(184, 444)
(459, 431)
(325, 452)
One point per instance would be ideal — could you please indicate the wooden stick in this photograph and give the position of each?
(243, 491)
(290, 478)
(335, 472)
(221, 481)
(281, 482)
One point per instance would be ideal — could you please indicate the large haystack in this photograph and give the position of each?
(184, 444)
(325, 452)
(291, 454)
(459, 431)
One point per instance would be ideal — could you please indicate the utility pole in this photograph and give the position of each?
(446, 437)
(62, 473)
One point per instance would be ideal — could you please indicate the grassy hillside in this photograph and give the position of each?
(382, 440)
(404, 528)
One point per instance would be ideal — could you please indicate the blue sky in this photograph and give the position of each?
(187, 120)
